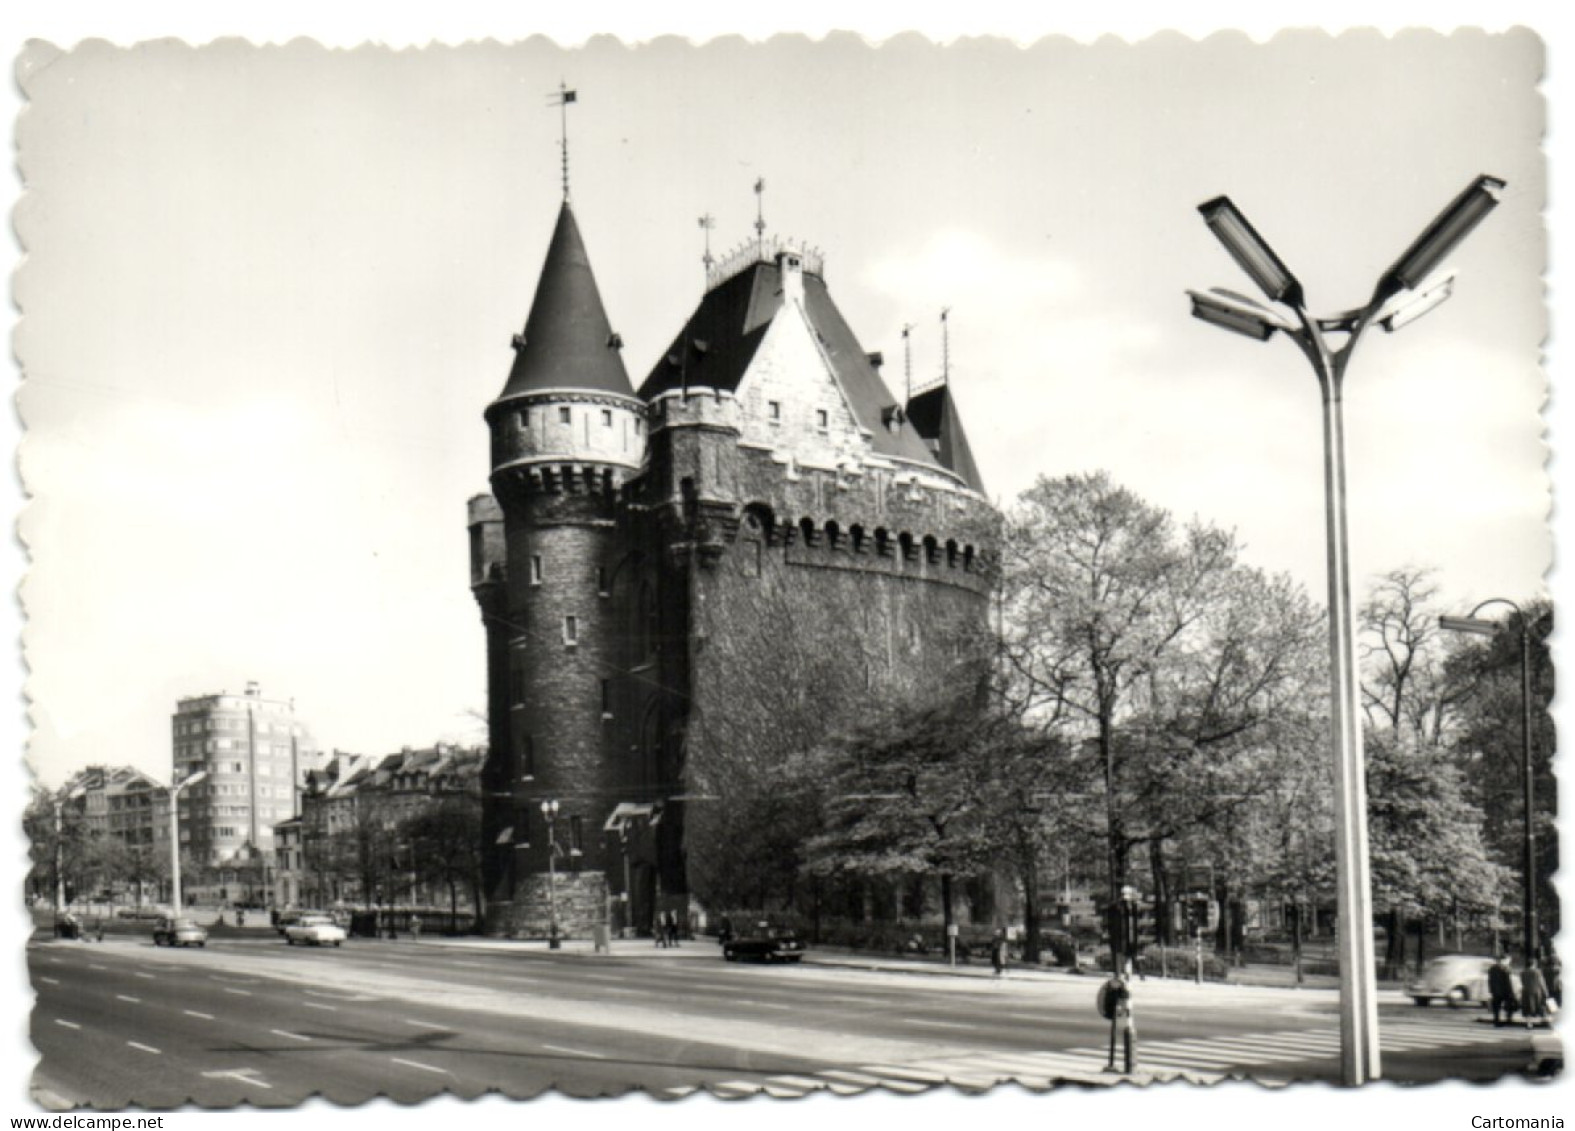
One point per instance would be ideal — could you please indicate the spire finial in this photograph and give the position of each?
(907, 362)
(708, 222)
(562, 100)
(760, 215)
(946, 346)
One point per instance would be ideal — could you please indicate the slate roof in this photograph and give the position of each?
(568, 342)
(719, 341)
(934, 413)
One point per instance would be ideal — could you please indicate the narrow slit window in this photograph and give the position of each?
(535, 569)
(571, 629)
(564, 415)
(822, 419)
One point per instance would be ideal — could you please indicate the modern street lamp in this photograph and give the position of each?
(1473, 624)
(549, 809)
(175, 791)
(1404, 292)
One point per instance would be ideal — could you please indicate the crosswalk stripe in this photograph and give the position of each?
(1245, 1052)
(872, 1081)
(805, 1082)
(1278, 1049)
(922, 1074)
(742, 1087)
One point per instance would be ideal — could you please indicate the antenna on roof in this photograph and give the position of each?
(562, 100)
(760, 215)
(707, 222)
(907, 363)
(946, 346)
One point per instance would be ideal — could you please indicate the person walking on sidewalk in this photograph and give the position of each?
(1533, 995)
(1501, 992)
(998, 951)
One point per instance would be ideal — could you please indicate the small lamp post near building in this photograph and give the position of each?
(549, 809)
(1478, 627)
(175, 791)
(1408, 289)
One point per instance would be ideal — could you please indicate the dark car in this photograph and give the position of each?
(179, 931)
(67, 926)
(765, 943)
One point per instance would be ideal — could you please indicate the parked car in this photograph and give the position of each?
(1457, 979)
(318, 930)
(67, 926)
(765, 943)
(179, 931)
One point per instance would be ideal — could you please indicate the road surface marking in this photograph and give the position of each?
(874, 1081)
(57, 961)
(96, 966)
(939, 1024)
(575, 1052)
(51, 981)
(290, 1035)
(762, 1004)
(418, 1064)
(127, 997)
(920, 1074)
(204, 1016)
(320, 1005)
(245, 1075)
(428, 1025)
(144, 1048)
(240, 993)
(67, 1024)
(140, 974)
(340, 997)
(805, 1083)
(685, 1090)
(742, 1087)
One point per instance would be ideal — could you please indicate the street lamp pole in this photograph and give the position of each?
(549, 809)
(175, 791)
(1474, 624)
(1409, 289)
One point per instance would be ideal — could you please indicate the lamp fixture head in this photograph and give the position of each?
(1250, 250)
(1444, 234)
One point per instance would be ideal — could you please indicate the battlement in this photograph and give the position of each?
(751, 252)
(716, 408)
(568, 426)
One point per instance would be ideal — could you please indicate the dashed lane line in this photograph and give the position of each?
(320, 1005)
(140, 974)
(245, 1075)
(67, 1024)
(418, 1064)
(143, 1047)
(194, 1013)
(286, 1033)
(427, 1025)
(51, 981)
(928, 1023)
(238, 993)
(96, 966)
(128, 997)
(575, 1052)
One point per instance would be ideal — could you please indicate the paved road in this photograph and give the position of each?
(256, 1021)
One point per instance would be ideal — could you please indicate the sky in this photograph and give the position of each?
(267, 297)
(269, 292)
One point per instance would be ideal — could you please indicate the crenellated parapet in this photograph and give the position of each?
(567, 426)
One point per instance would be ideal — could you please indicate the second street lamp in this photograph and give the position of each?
(549, 809)
(1478, 627)
(1393, 303)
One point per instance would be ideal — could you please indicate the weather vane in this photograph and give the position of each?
(707, 222)
(562, 100)
(760, 214)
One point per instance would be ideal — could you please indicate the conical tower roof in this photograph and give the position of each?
(934, 413)
(568, 343)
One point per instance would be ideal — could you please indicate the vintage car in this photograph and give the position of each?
(766, 944)
(179, 931)
(316, 929)
(1456, 979)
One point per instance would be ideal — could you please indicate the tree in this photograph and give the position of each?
(445, 839)
(1403, 685)
(902, 796)
(1187, 673)
(1486, 715)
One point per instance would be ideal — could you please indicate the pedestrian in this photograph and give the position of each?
(415, 927)
(998, 952)
(724, 930)
(1114, 1003)
(1501, 991)
(240, 917)
(1533, 995)
(659, 929)
(673, 926)
(1553, 974)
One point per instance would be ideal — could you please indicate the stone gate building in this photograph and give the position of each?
(681, 581)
